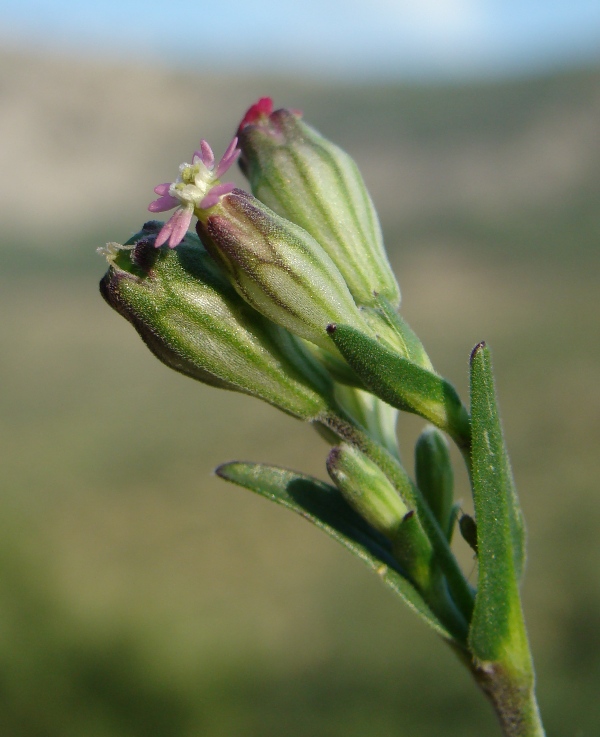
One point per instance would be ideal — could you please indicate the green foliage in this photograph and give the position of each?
(497, 631)
(325, 507)
(402, 383)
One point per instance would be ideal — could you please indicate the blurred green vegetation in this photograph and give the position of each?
(139, 595)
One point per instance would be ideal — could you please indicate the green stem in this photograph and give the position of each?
(460, 589)
(513, 700)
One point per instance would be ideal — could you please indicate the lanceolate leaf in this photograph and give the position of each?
(497, 631)
(324, 506)
(402, 383)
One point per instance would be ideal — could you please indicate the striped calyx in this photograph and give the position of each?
(278, 268)
(313, 183)
(191, 318)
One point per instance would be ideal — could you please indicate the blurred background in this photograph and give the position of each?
(140, 595)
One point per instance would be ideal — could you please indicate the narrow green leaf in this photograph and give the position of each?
(324, 506)
(402, 383)
(497, 630)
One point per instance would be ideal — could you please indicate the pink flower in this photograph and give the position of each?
(196, 188)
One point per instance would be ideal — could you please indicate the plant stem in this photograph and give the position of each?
(513, 701)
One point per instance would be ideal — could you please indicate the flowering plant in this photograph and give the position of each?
(286, 294)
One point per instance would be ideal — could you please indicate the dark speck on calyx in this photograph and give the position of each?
(480, 346)
(144, 253)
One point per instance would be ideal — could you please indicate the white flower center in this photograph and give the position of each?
(193, 184)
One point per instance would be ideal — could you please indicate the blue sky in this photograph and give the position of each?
(350, 38)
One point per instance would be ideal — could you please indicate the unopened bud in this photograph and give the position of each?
(277, 267)
(192, 319)
(307, 179)
(367, 489)
(435, 479)
(370, 493)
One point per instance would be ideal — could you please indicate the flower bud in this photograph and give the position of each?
(366, 489)
(370, 493)
(192, 319)
(435, 479)
(277, 267)
(310, 181)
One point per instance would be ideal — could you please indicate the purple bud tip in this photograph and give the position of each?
(261, 115)
(331, 328)
(408, 515)
(333, 457)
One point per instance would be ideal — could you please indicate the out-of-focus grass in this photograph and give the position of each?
(140, 595)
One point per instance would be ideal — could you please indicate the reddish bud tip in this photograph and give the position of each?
(331, 328)
(260, 110)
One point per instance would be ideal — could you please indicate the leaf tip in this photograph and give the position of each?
(477, 350)
(223, 470)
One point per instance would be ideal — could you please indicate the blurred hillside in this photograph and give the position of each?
(139, 595)
(87, 142)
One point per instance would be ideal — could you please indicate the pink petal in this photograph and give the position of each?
(229, 157)
(230, 149)
(163, 189)
(162, 204)
(206, 154)
(215, 194)
(175, 228)
(182, 220)
(164, 234)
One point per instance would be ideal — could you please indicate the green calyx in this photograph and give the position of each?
(315, 184)
(278, 268)
(191, 318)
